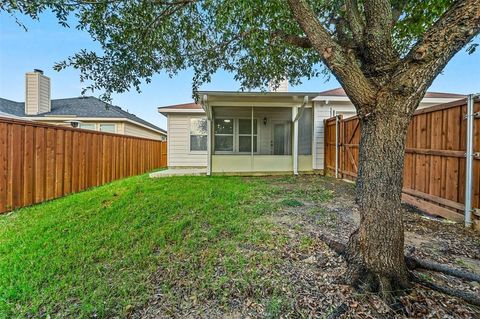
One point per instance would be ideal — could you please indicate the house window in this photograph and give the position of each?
(198, 134)
(224, 135)
(245, 135)
(88, 126)
(109, 128)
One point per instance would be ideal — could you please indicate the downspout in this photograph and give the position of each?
(469, 160)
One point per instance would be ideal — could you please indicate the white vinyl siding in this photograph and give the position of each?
(37, 92)
(321, 113)
(179, 153)
(135, 130)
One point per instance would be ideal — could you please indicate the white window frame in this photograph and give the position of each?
(114, 127)
(190, 134)
(90, 124)
(234, 144)
(238, 135)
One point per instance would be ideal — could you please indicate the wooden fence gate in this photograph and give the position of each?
(434, 172)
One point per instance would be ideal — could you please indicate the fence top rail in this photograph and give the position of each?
(8, 120)
(430, 109)
(441, 107)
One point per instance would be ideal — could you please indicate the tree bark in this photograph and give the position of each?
(375, 251)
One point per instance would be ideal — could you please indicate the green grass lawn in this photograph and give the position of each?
(94, 253)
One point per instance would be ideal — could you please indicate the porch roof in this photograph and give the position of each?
(255, 99)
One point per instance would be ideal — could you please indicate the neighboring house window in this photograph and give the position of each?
(88, 126)
(224, 135)
(110, 128)
(245, 135)
(198, 134)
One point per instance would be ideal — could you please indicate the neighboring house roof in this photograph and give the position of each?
(189, 106)
(341, 92)
(11, 116)
(181, 108)
(83, 107)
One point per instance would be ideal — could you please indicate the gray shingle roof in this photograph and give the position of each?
(79, 106)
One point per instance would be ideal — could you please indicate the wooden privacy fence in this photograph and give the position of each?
(434, 173)
(39, 162)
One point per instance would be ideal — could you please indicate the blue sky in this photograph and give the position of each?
(46, 42)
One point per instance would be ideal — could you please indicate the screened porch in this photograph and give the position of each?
(265, 139)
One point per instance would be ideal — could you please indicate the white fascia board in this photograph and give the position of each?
(424, 100)
(95, 119)
(331, 98)
(160, 110)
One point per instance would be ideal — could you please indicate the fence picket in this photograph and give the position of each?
(434, 171)
(41, 161)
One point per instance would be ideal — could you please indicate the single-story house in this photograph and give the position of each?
(258, 132)
(83, 112)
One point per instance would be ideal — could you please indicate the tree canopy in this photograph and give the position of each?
(258, 41)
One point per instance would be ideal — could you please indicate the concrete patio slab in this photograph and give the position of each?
(179, 172)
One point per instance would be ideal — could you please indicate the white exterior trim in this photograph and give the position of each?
(171, 110)
(295, 139)
(334, 98)
(93, 119)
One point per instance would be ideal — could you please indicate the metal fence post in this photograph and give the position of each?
(469, 161)
(336, 145)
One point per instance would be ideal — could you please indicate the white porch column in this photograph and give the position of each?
(209, 147)
(295, 140)
(209, 112)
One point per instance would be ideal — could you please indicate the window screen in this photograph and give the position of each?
(198, 134)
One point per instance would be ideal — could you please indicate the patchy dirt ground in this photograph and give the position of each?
(301, 279)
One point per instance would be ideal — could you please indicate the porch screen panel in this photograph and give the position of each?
(245, 135)
(305, 129)
(224, 135)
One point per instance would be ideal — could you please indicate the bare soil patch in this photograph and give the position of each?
(301, 277)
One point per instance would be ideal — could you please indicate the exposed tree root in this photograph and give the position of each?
(414, 263)
(469, 297)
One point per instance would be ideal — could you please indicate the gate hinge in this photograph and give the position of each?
(476, 155)
(475, 115)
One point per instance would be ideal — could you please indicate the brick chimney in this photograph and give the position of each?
(37, 93)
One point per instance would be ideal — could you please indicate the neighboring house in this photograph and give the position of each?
(258, 133)
(82, 112)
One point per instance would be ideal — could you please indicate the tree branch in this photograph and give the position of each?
(342, 63)
(378, 34)
(355, 20)
(298, 41)
(429, 56)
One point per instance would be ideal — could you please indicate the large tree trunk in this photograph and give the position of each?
(375, 252)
